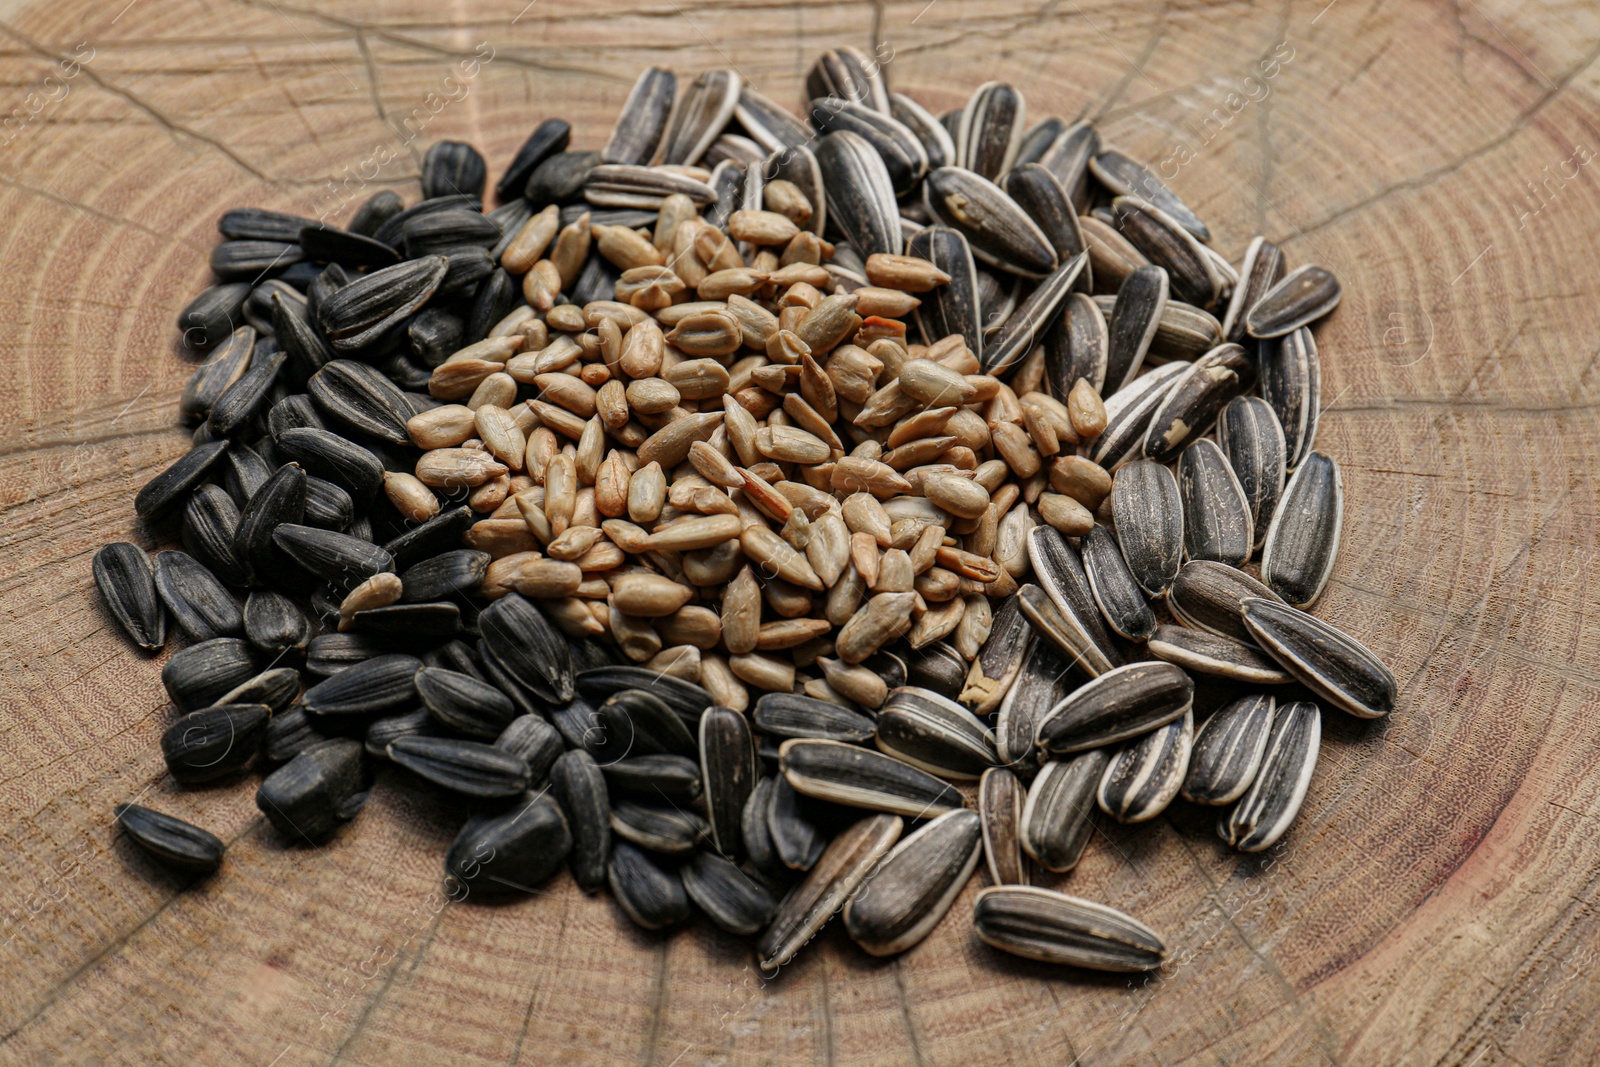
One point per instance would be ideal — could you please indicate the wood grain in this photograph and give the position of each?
(1434, 904)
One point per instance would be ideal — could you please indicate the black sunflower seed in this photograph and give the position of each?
(199, 603)
(255, 224)
(172, 841)
(580, 787)
(214, 742)
(368, 308)
(169, 490)
(470, 768)
(324, 785)
(127, 582)
(213, 316)
(327, 455)
(465, 703)
(196, 676)
(511, 851)
(377, 684)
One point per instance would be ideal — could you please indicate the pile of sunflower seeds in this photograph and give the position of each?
(701, 515)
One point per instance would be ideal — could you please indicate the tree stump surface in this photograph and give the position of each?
(1434, 903)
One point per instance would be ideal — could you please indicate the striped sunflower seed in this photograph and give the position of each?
(1032, 319)
(1149, 515)
(754, 833)
(1133, 323)
(649, 894)
(1302, 543)
(511, 851)
(1039, 687)
(1328, 661)
(991, 130)
(470, 768)
(126, 580)
(1165, 243)
(324, 785)
(914, 885)
(1076, 346)
(1042, 924)
(732, 899)
(843, 866)
(999, 661)
(215, 742)
(1118, 595)
(900, 149)
(1206, 653)
(1123, 703)
(1300, 298)
(860, 193)
(276, 688)
(937, 143)
(1216, 512)
(792, 715)
(999, 232)
(1128, 415)
(1056, 817)
(361, 397)
(953, 307)
(176, 843)
(1291, 382)
(1262, 268)
(1252, 439)
(1210, 596)
(643, 120)
(769, 124)
(1125, 177)
(1144, 776)
(1000, 796)
(1037, 191)
(1195, 400)
(860, 778)
(1228, 750)
(701, 116)
(934, 733)
(1264, 813)
(580, 787)
(728, 767)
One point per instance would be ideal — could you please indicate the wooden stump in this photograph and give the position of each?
(1435, 903)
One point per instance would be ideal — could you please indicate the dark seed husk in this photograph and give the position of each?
(535, 741)
(702, 114)
(339, 559)
(1165, 243)
(792, 830)
(464, 703)
(453, 167)
(323, 786)
(548, 138)
(360, 397)
(433, 335)
(170, 489)
(1263, 814)
(1195, 399)
(937, 668)
(1128, 415)
(438, 535)
(1210, 596)
(998, 230)
(493, 300)
(728, 766)
(1199, 652)
(639, 128)
(289, 734)
(1042, 924)
(1331, 663)
(276, 688)
(221, 370)
(1291, 382)
(199, 603)
(861, 778)
(375, 211)
(1123, 176)
(1149, 516)
(239, 408)
(293, 411)
(243, 472)
(328, 505)
(652, 896)
(1228, 749)
(329, 244)
(1120, 704)
(1216, 513)
(1056, 817)
(669, 831)
(522, 640)
(1252, 439)
(1037, 140)
(795, 715)
(1068, 157)
(1062, 578)
(470, 768)
(1032, 319)
(832, 880)
(303, 346)
(412, 620)
(915, 884)
(1038, 193)
(328, 654)
(1144, 775)
(214, 742)
(127, 582)
(732, 899)
(1000, 796)
(991, 130)
(655, 779)
(1262, 268)
(688, 700)
(382, 683)
(443, 232)
(754, 833)
(213, 316)
(579, 785)
(861, 201)
(849, 73)
(935, 734)
(172, 841)
(256, 224)
(937, 143)
(511, 851)
(644, 724)
(1040, 687)
(1076, 346)
(559, 178)
(364, 311)
(233, 260)
(899, 148)
(1119, 596)
(196, 676)
(1133, 323)
(1300, 298)
(274, 623)
(952, 308)
(1302, 543)
(998, 661)
(327, 455)
(460, 571)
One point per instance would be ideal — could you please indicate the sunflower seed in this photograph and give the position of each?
(325, 454)
(232, 260)
(196, 676)
(559, 179)
(522, 641)
(321, 787)
(438, 535)
(1252, 439)
(937, 144)
(1133, 324)
(730, 898)
(449, 573)
(1291, 382)
(172, 841)
(1206, 653)
(849, 74)
(1000, 797)
(1262, 269)
(770, 125)
(861, 778)
(580, 787)
(860, 193)
(1228, 750)
(359, 396)
(1149, 516)
(638, 129)
(1061, 574)
(935, 734)
(702, 114)
(1032, 319)
(274, 623)
(790, 830)
(127, 582)
(1144, 776)
(652, 896)
(328, 654)
(952, 308)
(1118, 595)
(999, 232)
(999, 661)
(339, 559)
(366, 310)
(1264, 813)
(448, 233)
(915, 884)
(686, 699)
(329, 244)
(217, 374)
(1037, 191)
(382, 683)
(276, 688)
(843, 866)
(1302, 543)
(1040, 686)
(470, 768)
(1193, 402)
(938, 668)
(900, 150)
(381, 733)
(1128, 415)
(755, 835)
(1300, 298)
(1042, 924)
(645, 723)
(281, 500)
(1123, 176)
(328, 506)
(465, 703)
(513, 850)
(1122, 703)
(1037, 140)
(1165, 243)
(535, 741)
(653, 778)
(1076, 346)
(1056, 816)
(1216, 513)
(170, 489)
(788, 715)
(548, 138)
(728, 766)
(667, 831)
(215, 742)
(991, 130)
(1210, 596)
(1331, 663)
(629, 186)
(453, 167)
(213, 316)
